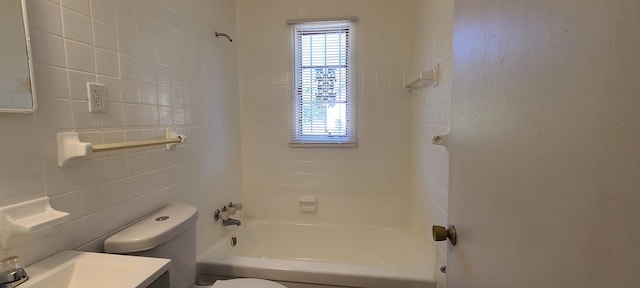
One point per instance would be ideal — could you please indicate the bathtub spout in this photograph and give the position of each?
(227, 222)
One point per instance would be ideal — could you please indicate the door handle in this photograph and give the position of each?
(440, 234)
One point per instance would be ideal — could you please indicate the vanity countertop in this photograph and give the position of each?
(97, 270)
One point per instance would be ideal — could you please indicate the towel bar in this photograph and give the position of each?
(70, 146)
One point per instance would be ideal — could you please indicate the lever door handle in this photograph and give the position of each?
(440, 234)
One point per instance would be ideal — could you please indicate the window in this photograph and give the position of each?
(323, 98)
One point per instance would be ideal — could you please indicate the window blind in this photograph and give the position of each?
(323, 98)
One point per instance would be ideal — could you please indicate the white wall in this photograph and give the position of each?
(368, 184)
(431, 108)
(162, 68)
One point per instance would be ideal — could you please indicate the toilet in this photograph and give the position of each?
(170, 233)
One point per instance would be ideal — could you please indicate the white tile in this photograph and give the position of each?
(114, 117)
(128, 42)
(107, 63)
(177, 96)
(52, 82)
(20, 154)
(163, 55)
(104, 11)
(23, 187)
(115, 167)
(164, 95)
(179, 115)
(150, 115)
(94, 225)
(136, 163)
(156, 160)
(148, 93)
(132, 115)
(129, 68)
(126, 15)
(80, 56)
(78, 84)
(113, 85)
(147, 70)
(165, 115)
(59, 180)
(105, 36)
(104, 196)
(44, 16)
(53, 115)
(81, 6)
(90, 172)
(177, 77)
(77, 26)
(163, 75)
(130, 91)
(82, 118)
(47, 49)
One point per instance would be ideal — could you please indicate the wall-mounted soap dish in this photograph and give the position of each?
(29, 217)
(308, 204)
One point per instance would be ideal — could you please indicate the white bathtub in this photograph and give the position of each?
(303, 255)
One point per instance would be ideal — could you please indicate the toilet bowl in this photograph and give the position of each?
(165, 234)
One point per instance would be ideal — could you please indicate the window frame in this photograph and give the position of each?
(298, 138)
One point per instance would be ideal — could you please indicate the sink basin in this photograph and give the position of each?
(85, 269)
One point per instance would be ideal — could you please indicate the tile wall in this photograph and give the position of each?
(162, 68)
(364, 185)
(431, 108)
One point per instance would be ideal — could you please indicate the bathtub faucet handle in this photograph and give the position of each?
(221, 214)
(237, 206)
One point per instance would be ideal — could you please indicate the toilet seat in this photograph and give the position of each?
(244, 283)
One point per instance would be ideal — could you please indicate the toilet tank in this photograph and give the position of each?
(167, 233)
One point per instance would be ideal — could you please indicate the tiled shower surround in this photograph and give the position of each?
(162, 67)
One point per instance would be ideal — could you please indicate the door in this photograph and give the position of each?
(545, 145)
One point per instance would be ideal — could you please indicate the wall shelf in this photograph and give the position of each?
(432, 76)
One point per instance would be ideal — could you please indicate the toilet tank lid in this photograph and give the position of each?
(155, 229)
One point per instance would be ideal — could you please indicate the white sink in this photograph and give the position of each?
(75, 269)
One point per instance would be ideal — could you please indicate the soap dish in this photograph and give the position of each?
(29, 217)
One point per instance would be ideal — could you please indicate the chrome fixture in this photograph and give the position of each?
(234, 241)
(228, 222)
(224, 213)
(13, 278)
(233, 207)
(220, 214)
(218, 34)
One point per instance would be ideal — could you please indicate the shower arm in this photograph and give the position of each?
(218, 34)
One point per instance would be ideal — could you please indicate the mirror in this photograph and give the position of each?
(17, 91)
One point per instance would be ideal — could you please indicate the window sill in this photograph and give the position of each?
(322, 145)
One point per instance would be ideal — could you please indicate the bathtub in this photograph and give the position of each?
(317, 255)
